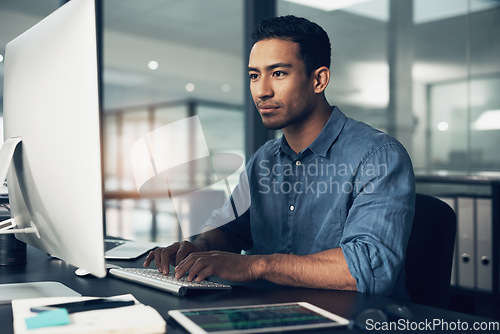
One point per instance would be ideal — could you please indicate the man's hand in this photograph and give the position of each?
(226, 265)
(171, 255)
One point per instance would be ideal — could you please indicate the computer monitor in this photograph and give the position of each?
(51, 106)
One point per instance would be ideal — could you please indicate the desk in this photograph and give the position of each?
(40, 267)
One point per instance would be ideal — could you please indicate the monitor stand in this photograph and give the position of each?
(12, 291)
(6, 155)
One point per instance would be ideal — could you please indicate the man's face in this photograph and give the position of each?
(280, 87)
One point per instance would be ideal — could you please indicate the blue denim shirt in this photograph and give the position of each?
(353, 188)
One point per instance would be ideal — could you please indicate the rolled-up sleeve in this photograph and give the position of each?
(379, 222)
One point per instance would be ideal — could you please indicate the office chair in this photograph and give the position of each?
(429, 254)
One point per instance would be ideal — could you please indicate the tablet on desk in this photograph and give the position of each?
(257, 318)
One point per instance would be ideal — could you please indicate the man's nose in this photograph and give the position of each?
(264, 88)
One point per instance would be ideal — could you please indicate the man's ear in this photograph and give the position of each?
(321, 79)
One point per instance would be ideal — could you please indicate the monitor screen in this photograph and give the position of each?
(51, 103)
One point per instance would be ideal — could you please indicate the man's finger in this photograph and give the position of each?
(164, 263)
(204, 273)
(157, 255)
(161, 256)
(201, 268)
(186, 264)
(149, 258)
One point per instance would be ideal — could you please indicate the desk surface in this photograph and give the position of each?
(40, 267)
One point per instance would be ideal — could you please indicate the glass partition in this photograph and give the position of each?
(165, 61)
(152, 215)
(424, 71)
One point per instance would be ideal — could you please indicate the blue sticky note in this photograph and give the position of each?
(48, 318)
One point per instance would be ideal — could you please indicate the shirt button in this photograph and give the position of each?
(292, 207)
(298, 163)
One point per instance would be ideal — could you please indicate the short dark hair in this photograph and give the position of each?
(314, 44)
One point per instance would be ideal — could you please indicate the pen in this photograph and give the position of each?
(87, 305)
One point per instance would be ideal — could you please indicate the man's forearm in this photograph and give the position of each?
(215, 239)
(325, 270)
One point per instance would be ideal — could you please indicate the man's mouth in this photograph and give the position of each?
(267, 108)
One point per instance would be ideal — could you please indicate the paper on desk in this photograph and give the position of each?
(138, 318)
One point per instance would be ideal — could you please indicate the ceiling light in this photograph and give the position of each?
(1, 58)
(327, 5)
(190, 87)
(488, 120)
(443, 126)
(153, 65)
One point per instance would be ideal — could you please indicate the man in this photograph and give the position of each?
(332, 201)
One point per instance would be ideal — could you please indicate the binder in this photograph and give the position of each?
(466, 239)
(451, 201)
(484, 253)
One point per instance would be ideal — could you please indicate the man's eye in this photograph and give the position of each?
(279, 73)
(253, 76)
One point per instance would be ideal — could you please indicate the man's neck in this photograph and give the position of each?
(300, 136)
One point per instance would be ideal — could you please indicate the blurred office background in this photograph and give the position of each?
(425, 71)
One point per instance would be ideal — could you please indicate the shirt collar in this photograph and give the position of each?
(283, 145)
(329, 134)
(325, 139)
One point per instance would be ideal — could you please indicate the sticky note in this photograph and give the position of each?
(48, 318)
